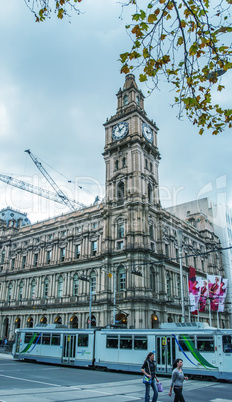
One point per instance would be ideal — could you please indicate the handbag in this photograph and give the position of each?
(160, 386)
(147, 380)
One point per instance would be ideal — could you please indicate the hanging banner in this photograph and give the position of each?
(194, 291)
(222, 294)
(203, 294)
(214, 282)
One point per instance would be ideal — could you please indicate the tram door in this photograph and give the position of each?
(69, 349)
(165, 353)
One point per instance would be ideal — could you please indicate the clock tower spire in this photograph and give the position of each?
(131, 154)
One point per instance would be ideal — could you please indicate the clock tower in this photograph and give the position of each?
(131, 154)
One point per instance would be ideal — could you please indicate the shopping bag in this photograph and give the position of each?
(160, 386)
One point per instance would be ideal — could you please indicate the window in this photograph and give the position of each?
(78, 251)
(123, 162)
(55, 340)
(168, 285)
(151, 279)
(151, 232)
(94, 247)
(93, 282)
(21, 290)
(227, 343)
(33, 289)
(49, 253)
(120, 230)
(63, 233)
(35, 260)
(151, 167)
(9, 296)
(12, 264)
(166, 249)
(186, 259)
(3, 256)
(120, 191)
(125, 342)
(116, 164)
(46, 286)
(83, 340)
(46, 339)
(27, 337)
(121, 279)
(120, 245)
(125, 100)
(184, 340)
(24, 261)
(137, 100)
(149, 193)
(75, 285)
(146, 164)
(205, 343)
(112, 342)
(62, 254)
(140, 342)
(60, 286)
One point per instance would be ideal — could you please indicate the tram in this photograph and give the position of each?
(206, 351)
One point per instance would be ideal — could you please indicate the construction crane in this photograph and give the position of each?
(39, 191)
(58, 191)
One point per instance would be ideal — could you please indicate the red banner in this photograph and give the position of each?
(194, 291)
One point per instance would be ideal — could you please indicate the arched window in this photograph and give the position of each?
(21, 290)
(125, 100)
(154, 321)
(46, 287)
(43, 320)
(93, 282)
(58, 320)
(30, 322)
(74, 322)
(75, 286)
(149, 193)
(120, 191)
(33, 289)
(9, 296)
(121, 318)
(116, 164)
(60, 286)
(121, 278)
(17, 322)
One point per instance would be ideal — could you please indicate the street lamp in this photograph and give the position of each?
(179, 240)
(84, 278)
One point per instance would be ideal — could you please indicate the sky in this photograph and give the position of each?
(58, 85)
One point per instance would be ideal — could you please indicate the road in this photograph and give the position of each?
(24, 382)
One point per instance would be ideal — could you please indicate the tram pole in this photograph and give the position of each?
(179, 240)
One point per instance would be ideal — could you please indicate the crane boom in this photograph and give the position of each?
(36, 190)
(58, 191)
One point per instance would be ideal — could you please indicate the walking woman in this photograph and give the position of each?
(177, 381)
(148, 369)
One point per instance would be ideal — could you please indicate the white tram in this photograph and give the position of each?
(205, 351)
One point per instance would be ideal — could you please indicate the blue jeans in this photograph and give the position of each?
(147, 391)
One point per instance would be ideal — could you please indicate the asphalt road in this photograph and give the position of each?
(24, 382)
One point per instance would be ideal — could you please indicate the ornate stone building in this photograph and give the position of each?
(116, 261)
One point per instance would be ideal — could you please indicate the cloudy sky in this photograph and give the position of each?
(58, 82)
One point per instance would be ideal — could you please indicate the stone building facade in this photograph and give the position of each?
(116, 261)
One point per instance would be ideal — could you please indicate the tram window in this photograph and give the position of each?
(112, 342)
(140, 342)
(27, 337)
(37, 339)
(184, 339)
(46, 339)
(126, 342)
(227, 343)
(83, 340)
(205, 343)
(55, 339)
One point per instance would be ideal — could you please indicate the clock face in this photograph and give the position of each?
(147, 132)
(120, 130)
